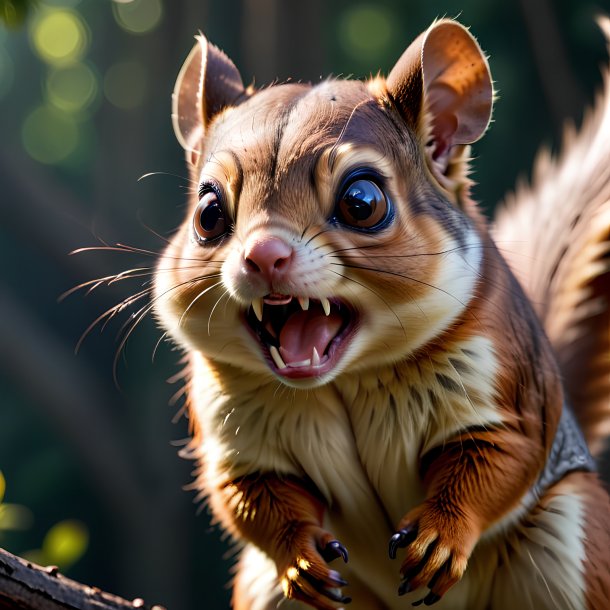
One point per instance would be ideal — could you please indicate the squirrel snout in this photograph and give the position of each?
(268, 256)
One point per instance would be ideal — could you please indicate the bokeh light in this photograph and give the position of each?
(50, 135)
(366, 31)
(59, 36)
(7, 72)
(15, 517)
(65, 543)
(62, 2)
(138, 16)
(13, 13)
(125, 84)
(72, 89)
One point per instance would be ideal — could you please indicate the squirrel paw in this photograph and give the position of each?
(438, 546)
(306, 576)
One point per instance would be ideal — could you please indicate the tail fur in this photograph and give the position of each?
(555, 235)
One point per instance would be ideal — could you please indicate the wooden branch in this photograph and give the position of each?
(25, 586)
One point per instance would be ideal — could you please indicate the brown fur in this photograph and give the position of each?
(597, 536)
(566, 273)
(435, 425)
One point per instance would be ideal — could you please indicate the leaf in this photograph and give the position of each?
(2, 486)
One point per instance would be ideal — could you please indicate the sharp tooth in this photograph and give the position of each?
(257, 306)
(304, 303)
(276, 357)
(315, 358)
(325, 305)
(301, 363)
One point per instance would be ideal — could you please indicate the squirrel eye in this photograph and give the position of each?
(209, 221)
(362, 205)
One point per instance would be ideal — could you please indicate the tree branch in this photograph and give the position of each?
(25, 586)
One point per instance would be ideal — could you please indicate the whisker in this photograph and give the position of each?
(150, 229)
(333, 151)
(110, 313)
(403, 276)
(317, 234)
(414, 255)
(150, 174)
(128, 274)
(137, 318)
(92, 283)
(351, 279)
(157, 344)
(116, 248)
(126, 249)
(226, 292)
(192, 303)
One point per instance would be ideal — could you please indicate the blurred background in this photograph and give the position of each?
(90, 477)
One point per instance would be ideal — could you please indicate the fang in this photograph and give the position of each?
(257, 307)
(276, 357)
(325, 306)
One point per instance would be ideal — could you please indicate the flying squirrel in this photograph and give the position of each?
(368, 380)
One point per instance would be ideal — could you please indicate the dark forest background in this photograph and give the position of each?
(90, 477)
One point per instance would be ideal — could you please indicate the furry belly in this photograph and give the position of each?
(536, 565)
(364, 460)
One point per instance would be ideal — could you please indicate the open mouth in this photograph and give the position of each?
(300, 336)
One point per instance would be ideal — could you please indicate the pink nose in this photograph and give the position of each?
(269, 256)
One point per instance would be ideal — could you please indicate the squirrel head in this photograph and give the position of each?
(303, 190)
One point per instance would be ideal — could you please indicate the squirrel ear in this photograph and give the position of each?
(208, 82)
(442, 86)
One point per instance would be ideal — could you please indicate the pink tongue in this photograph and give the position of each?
(305, 330)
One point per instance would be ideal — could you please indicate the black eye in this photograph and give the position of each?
(210, 220)
(363, 205)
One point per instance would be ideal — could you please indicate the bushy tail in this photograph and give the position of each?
(556, 237)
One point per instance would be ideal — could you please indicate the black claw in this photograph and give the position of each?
(336, 597)
(415, 570)
(404, 588)
(440, 572)
(337, 579)
(321, 587)
(333, 596)
(333, 550)
(431, 598)
(401, 539)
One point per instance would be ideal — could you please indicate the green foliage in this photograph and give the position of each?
(14, 12)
